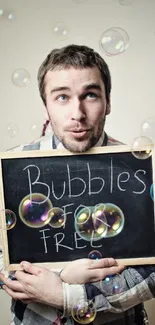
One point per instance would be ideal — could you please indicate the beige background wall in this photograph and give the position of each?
(27, 39)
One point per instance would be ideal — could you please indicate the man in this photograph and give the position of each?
(75, 85)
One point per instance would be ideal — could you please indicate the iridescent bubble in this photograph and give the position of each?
(33, 210)
(21, 77)
(12, 130)
(11, 219)
(84, 313)
(114, 41)
(57, 217)
(147, 128)
(126, 2)
(95, 255)
(152, 191)
(113, 284)
(114, 218)
(90, 225)
(141, 147)
(60, 31)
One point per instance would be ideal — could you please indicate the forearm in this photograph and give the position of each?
(138, 285)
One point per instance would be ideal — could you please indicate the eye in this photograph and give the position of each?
(91, 95)
(62, 97)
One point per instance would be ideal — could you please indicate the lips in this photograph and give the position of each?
(78, 134)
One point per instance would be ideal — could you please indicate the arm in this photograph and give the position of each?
(138, 285)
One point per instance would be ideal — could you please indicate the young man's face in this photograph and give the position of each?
(77, 106)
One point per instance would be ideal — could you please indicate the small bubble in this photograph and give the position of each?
(12, 130)
(21, 77)
(84, 313)
(147, 128)
(60, 31)
(126, 2)
(95, 255)
(141, 147)
(152, 187)
(57, 217)
(33, 210)
(11, 219)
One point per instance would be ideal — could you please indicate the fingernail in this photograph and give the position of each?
(24, 263)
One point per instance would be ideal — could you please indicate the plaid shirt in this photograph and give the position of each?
(123, 308)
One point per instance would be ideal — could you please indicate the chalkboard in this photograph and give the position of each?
(110, 179)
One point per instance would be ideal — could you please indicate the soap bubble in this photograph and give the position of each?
(90, 224)
(114, 41)
(11, 219)
(114, 218)
(11, 16)
(125, 2)
(33, 210)
(84, 312)
(147, 128)
(152, 187)
(113, 284)
(34, 130)
(57, 217)
(12, 130)
(60, 31)
(95, 255)
(21, 77)
(141, 147)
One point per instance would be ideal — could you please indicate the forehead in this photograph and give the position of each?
(72, 77)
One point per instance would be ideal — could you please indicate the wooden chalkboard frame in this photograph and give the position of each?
(62, 152)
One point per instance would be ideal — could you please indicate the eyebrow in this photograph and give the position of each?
(86, 87)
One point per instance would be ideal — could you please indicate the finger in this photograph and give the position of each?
(12, 284)
(101, 274)
(30, 268)
(102, 263)
(15, 294)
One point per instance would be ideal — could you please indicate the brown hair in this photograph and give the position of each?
(78, 56)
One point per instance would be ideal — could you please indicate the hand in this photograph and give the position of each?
(87, 270)
(38, 285)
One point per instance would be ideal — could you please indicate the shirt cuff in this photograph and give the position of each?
(73, 294)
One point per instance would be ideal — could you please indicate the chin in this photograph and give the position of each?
(77, 146)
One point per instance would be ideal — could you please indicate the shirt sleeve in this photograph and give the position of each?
(134, 286)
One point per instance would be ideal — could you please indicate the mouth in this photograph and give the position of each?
(79, 134)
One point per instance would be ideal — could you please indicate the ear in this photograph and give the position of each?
(46, 115)
(108, 109)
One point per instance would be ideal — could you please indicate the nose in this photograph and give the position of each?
(77, 111)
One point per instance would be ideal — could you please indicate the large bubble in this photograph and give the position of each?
(114, 219)
(91, 224)
(33, 210)
(114, 41)
(84, 312)
(113, 284)
(141, 147)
